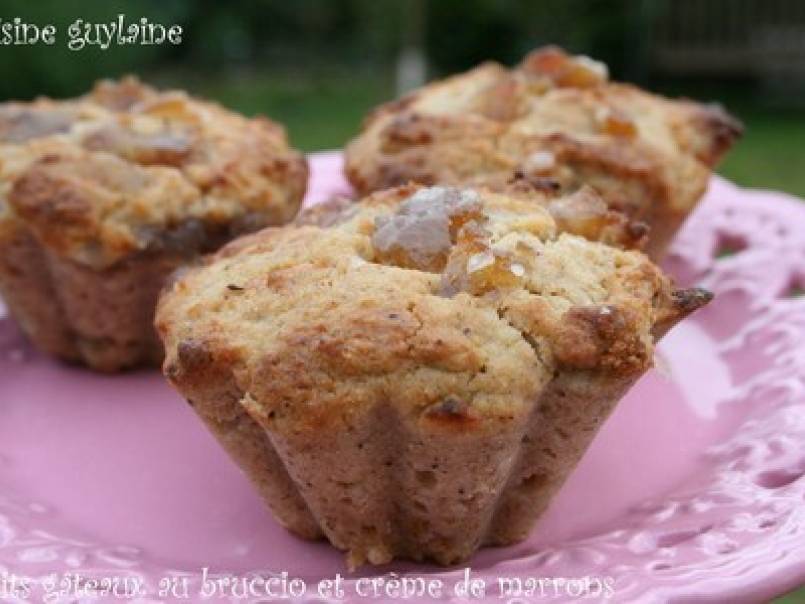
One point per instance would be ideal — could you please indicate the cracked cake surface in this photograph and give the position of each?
(556, 119)
(103, 195)
(415, 375)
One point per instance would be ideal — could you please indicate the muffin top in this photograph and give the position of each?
(453, 305)
(127, 169)
(554, 117)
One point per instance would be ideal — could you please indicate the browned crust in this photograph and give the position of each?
(601, 337)
(57, 207)
(724, 130)
(130, 158)
(685, 302)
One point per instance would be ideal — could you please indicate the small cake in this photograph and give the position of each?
(556, 119)
(414, 375)
(103, 196)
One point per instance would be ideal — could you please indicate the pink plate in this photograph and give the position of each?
(693, 490)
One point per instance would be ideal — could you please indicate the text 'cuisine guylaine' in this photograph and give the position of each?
(82, 33)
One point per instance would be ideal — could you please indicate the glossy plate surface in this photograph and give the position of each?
(693, 490)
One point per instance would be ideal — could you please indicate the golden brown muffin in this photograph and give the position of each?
(103, 196)
(415, 375)
(557, 119)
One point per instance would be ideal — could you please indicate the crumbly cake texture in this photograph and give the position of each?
(555, 119)
(103, 196)
(414, 375)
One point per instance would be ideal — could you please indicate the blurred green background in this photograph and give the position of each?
(318, 66)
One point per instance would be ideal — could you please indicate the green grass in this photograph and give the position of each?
(321, 112)
(771, 154)
(795, 597)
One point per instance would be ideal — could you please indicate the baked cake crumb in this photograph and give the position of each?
(415, 375)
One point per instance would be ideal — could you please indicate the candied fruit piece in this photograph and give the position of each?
(170, 107)
(539, 162)
(583, 213)
(422, 230)
(565, 70)
(477, 268)
(498, 271)
(616, 123)
(480, 261)
(481, 272)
